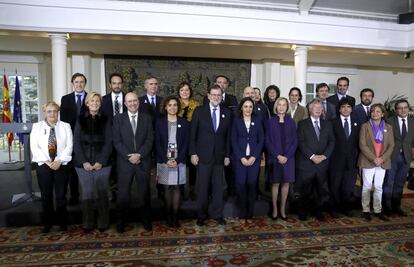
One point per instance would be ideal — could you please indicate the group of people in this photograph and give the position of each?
(320, 149)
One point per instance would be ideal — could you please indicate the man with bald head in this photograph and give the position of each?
(133, 138)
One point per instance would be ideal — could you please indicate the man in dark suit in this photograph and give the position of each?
(150, 102)
(71, 105)
(343, 164)
(133, 137)
(361, 112)
(112, 105)
(329, 109)
(403, 129)
(316, 144)
(342, 84)
(210, 152)
(228, 101)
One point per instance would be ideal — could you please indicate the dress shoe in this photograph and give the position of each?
(200, 222)
(334, 214)
(63, 227)
(382, 217)
(46, 229)
(87, 230)
(367, 216)
(400, 212)
(220, 221)
(388, 212)
(102, 229)
(73, 201)
(147, 226)
(302, 217)
(120, 228)
(284, 218)
(320, 217)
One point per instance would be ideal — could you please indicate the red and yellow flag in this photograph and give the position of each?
(6, 115)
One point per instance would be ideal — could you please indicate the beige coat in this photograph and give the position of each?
(366, 144)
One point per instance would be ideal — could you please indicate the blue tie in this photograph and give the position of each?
(78, 103)
(346, 128)
(213, 117)
(153, 102)
(317, 130)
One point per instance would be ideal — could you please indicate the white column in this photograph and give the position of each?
(59, 54)
(301, 64)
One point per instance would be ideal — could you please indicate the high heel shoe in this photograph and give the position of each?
(284, 218)
(274, 218)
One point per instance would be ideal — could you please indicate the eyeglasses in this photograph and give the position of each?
(216, 95)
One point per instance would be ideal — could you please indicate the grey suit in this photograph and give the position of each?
(400, 164)
(123, 138)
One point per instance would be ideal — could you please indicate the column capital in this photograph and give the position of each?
(59, 36)
(300, 47)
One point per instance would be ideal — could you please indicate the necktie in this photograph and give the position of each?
(346, 128)
(52, 144)
(368, 112)
(317, 130)
(324, 106)
(78, 103)
(403, 129)
(213, 117)
(153, 102)
(116, 105)
(133, 124)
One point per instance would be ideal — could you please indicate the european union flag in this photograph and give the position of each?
(17, 110)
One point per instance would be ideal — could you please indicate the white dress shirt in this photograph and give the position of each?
(120, 101)
(217, 115)
(39, 137)
(349, 123)
(401, 123)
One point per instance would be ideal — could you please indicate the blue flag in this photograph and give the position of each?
(17, 110)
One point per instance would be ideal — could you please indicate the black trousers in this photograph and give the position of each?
(73, 180)
(49, 181)
(341, 186)
(141, 172)
(210, 176)
(311, 183)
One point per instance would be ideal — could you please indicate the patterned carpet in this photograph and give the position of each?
(336, 242)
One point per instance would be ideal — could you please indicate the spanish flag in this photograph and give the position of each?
(6, 116)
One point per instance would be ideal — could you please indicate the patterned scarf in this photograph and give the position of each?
(52, 143)
(378, 131)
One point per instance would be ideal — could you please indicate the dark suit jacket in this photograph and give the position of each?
(309, 144)
(360, 114)
(262, 112)
(240, 138)
(92, 140)
(331, 112)
(334, 100)
(123, 138)
(107, 108)
(68, 111)
(161, 139)
(210, 146)
(366, 145)
(229, 102)
(145, 106)
(406, 144)
(346, 150)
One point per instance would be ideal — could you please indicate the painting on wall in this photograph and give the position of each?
(170, 71)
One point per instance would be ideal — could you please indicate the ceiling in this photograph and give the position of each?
(193, 47)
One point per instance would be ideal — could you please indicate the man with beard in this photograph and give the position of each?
(361, 111)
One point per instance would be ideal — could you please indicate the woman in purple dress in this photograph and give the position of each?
(281, 143)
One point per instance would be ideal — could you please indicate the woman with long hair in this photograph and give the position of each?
(171, 147)
(247, 138)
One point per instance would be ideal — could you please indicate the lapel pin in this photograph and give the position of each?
(385, 130)
(258, 109)
(252, 123)
(355, 124)
(179, 125)
(222, 115)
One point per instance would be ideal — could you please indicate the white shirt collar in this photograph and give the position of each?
(131, 114)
